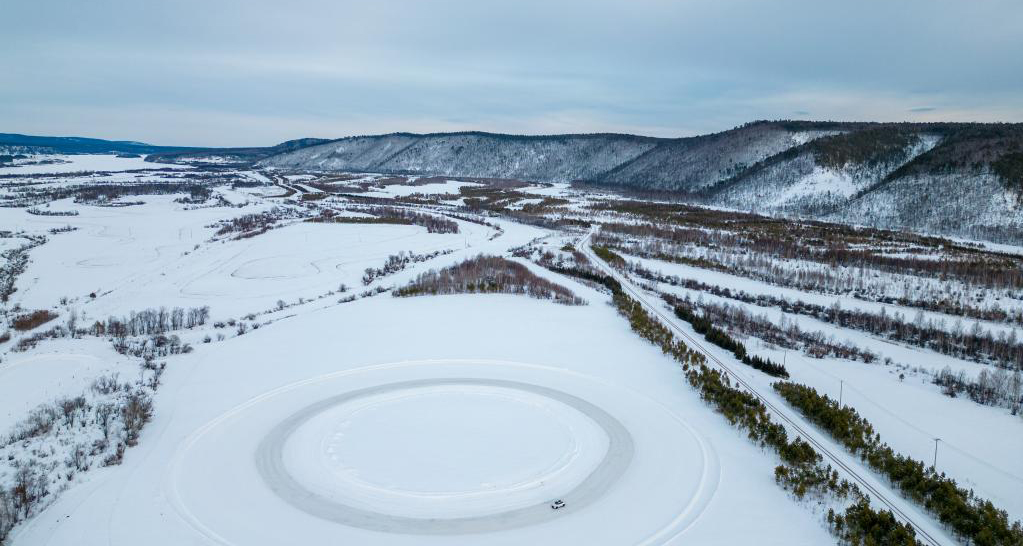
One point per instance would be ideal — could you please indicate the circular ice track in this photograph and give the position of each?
(440, 510)
(448, 448)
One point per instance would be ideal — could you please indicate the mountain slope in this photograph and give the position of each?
(691, 164)
(544, 158)
(819, 176)
(241, 156)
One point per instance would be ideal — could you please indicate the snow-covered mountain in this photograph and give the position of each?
(559, 158)
(956, 179)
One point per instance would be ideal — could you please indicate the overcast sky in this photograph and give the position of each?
(256, 72)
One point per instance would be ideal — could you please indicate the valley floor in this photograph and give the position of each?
(314, 407)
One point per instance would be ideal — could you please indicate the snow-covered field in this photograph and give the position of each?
(315, 408)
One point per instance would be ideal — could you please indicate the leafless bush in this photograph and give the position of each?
(29, 321)
(106, 384)
(136, 413)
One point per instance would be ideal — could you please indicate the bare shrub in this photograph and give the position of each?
(28, 321)
(136, 413)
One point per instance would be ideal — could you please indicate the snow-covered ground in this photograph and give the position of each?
(86, 162)
(404, 190)
(304, 413)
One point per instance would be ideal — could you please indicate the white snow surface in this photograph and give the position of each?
(87, 162)
(439, 435)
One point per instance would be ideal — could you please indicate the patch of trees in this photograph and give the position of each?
(198, 195)
(784, 334)
(966, 147)
(391, 215)
(488, 275)
(974, 343)
(546, 205)
(971, 518)
(587, 275)
(29, 321)
(48, 212)
(1010, 168)
(940, 296)
(997, 388)
(156, 346)
(835, 246)
(15, 262)
(56, 441)
(100, 194)
(721, 338)
(861, 524)
(873, 146)
(608, 255)
(398, 262)
(156, 321)
(250, 225)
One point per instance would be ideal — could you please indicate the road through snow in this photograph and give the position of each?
(926, 528)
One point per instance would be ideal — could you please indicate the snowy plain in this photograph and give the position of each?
(433, 429)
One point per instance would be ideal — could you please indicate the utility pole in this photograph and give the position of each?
(935, 465)
(841, 387)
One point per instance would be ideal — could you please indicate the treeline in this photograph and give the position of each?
(801, 471)
(587, 275)
(831, 244)
(721, 338)
(971, 518)
(151, 322)
(105, 193)
(861, 284)
(784, 334)
(488, 275)
(48, 212)
(976, 343)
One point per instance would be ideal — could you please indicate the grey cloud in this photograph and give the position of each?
(230, 72)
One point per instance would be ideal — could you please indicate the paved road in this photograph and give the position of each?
(269, 461)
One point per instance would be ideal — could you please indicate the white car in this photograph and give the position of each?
(558, 504)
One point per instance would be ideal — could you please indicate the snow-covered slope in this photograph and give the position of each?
(808, 182)
(553, 158)
(976, 205)
(692, 164)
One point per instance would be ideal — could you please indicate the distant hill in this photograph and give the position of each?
(234, 156)
(16, 143)
(79, 145)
